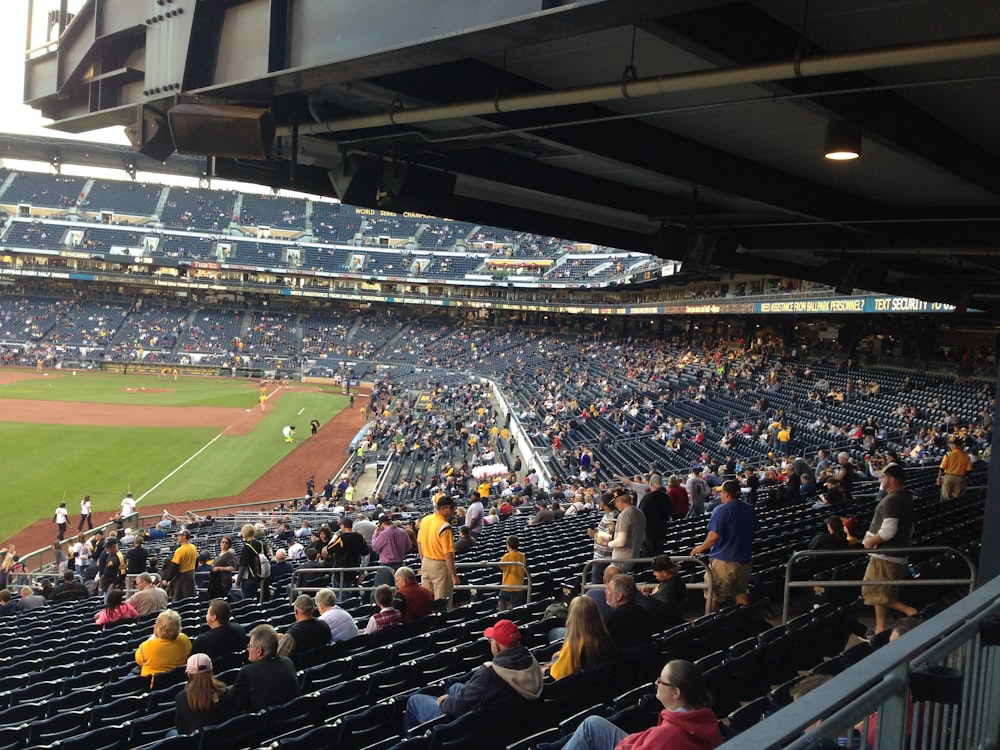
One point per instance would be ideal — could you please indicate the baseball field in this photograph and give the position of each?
(66, 435)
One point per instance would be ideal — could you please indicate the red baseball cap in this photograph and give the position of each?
(505, 633)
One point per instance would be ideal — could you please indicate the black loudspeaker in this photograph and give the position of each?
(150, 137)
(700, 252)
(413, 187)
(356, 180)
(222, 130)
(668, 242)
(847, 281)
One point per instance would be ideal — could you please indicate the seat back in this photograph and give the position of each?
(58, 727)
(365, 727)
(108, 737)
(151, 727)
(464, 732)
(238, 733)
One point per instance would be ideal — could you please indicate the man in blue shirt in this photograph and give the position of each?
(730, 536)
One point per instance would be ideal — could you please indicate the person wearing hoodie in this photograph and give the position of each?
(513, 675)
(686, 722)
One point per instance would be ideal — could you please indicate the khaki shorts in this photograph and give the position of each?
(882, 570)
(732, 579)
(435, 576)
(953, 486)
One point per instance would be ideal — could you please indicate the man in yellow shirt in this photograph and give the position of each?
(436, 545)
(954, 472)
(185, 558)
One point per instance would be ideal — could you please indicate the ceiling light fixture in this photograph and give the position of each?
(843, 142)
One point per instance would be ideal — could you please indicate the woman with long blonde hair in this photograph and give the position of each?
(587, 643)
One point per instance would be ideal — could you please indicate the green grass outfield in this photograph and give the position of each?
(41, 464)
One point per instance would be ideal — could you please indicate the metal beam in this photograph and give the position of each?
(701, 80)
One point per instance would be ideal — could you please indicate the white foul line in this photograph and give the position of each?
(300, 411)
(196, 454)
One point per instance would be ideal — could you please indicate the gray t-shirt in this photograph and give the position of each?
(698, 492)
(474, 517)
(33, 601)
(632, 524)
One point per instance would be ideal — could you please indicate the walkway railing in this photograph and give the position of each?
(339, 578)
(586, 585)
(894, 551)
(949, 666)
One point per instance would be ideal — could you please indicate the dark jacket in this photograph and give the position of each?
(513, 675)
(65, 592)
(348, 548)
(655, 506)
(667, 604)
(308, 634)
(260, 684)
(630, 625)
(189, 722)
(225, 639)
(827, 541)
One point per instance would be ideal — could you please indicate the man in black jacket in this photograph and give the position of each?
(269, 679)
(513, 675)
(68, 590)
(223, 636)
(113, 574)
(307, 632)
(629, 624)
(655, 506)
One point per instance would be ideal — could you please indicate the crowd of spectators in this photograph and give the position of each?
(620, 422)
(216, 211)
(454, 426)
(198, 209)
(278, 212)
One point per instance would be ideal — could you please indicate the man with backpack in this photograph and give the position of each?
(254, 565)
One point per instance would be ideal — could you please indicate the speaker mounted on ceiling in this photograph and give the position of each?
(149, 134)
(225, 130)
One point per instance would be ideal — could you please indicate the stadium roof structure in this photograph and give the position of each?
(692, 129)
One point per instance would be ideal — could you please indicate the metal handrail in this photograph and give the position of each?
(586, 585)
(294, 589)
(474, 588)
(895, 551)
(962, 637)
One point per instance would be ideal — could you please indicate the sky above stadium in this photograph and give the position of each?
(18, 118)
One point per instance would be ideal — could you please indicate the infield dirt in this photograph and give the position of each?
(320, 455)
